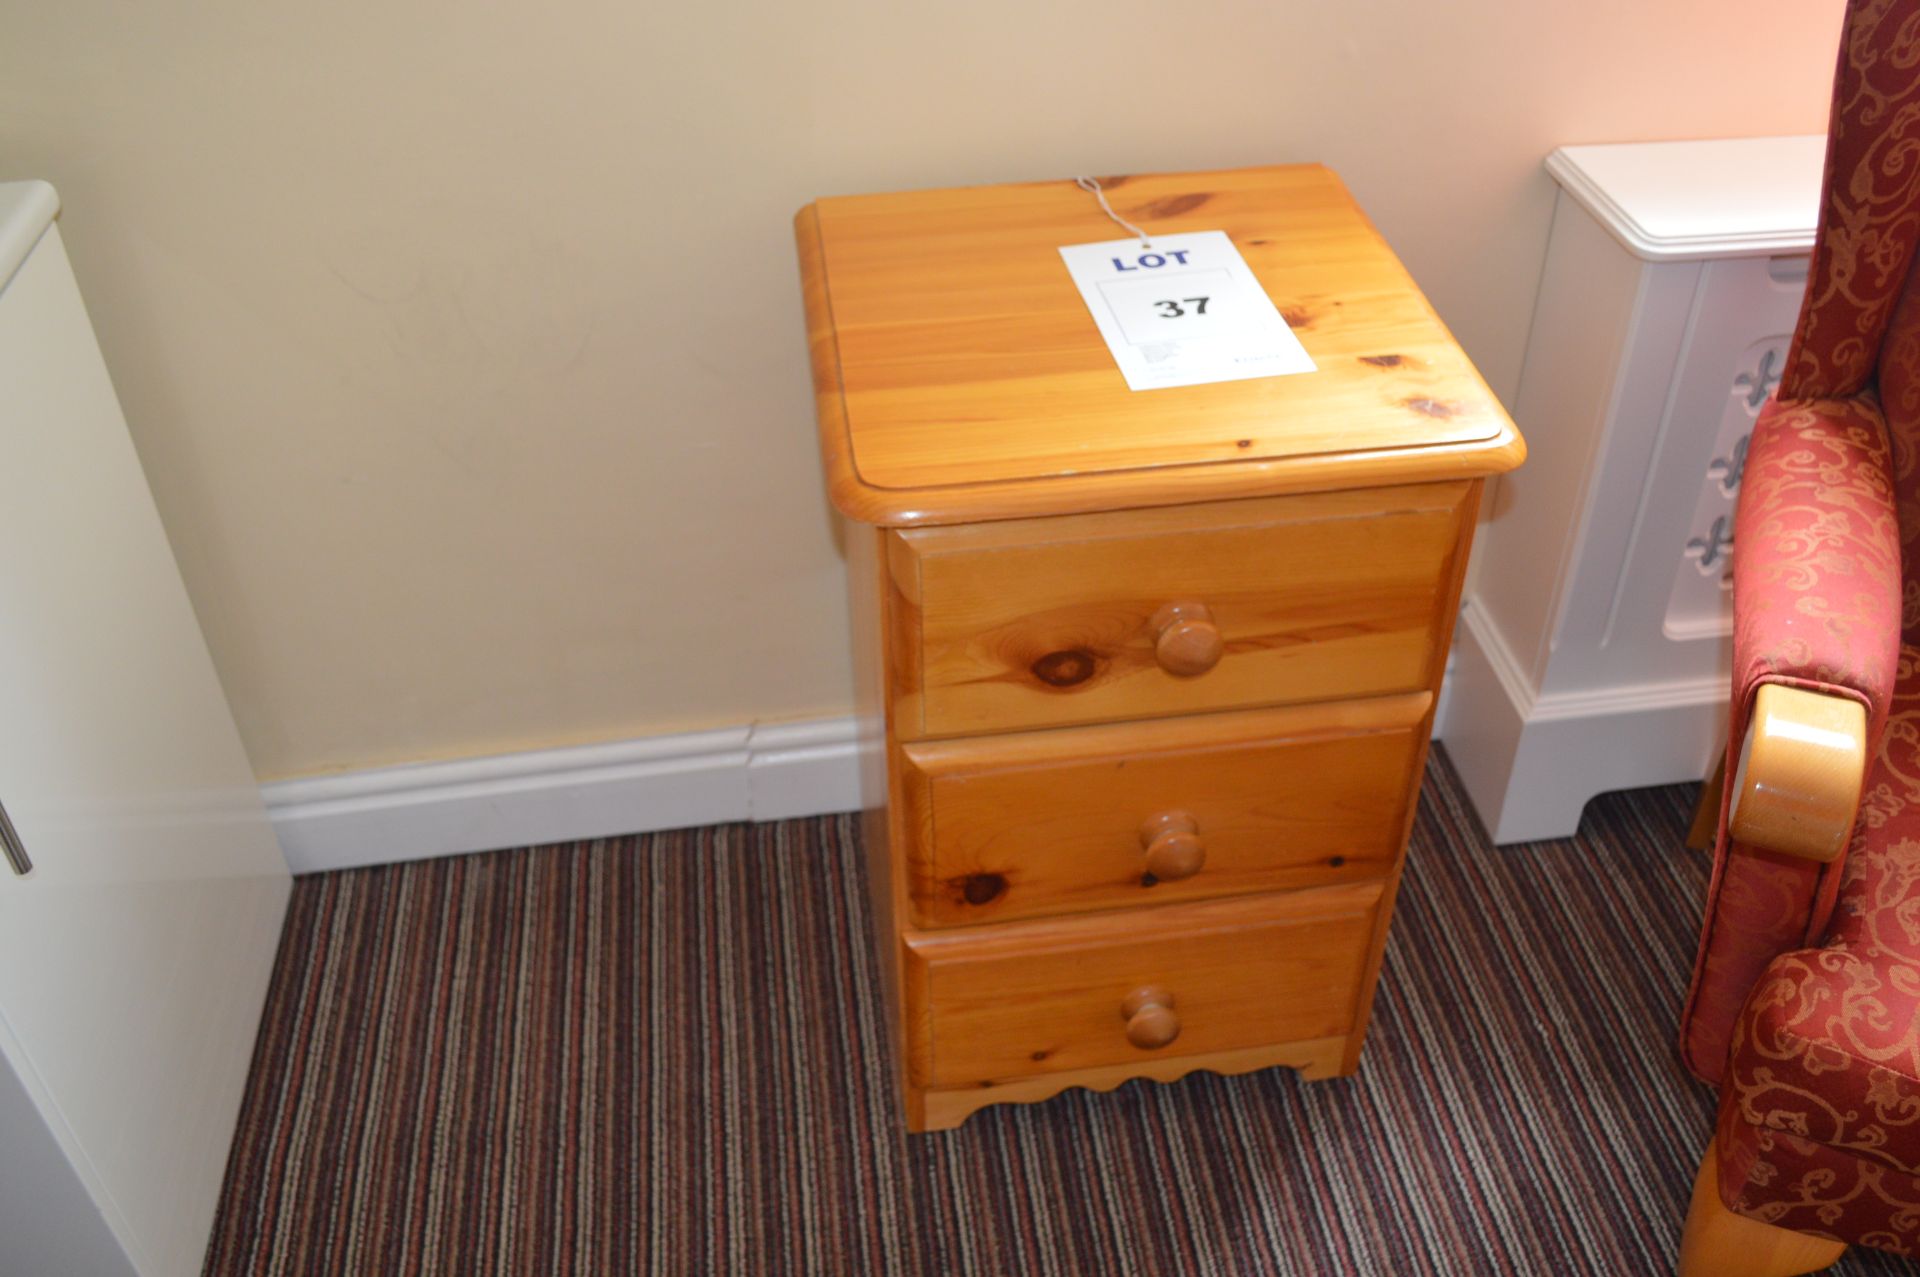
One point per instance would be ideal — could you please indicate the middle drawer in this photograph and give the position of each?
(1147, 813)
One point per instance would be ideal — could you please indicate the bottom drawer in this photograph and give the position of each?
(1026, 998)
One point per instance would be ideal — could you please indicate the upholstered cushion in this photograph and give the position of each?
(1795, 1183)
(1818, 605)
(1827, 1047)
(1817, 559)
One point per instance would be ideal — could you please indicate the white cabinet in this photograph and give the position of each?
(49, 1225)
(1593, 651)
(135, 953)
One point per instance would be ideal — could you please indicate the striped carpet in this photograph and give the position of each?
(659, 1055)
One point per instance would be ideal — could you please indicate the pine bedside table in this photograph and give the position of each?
(1149, 675)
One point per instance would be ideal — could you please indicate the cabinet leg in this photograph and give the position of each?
(1719, 1243)
(1341, 1058)
(938, 1111)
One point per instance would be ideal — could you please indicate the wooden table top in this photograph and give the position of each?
(959, 375)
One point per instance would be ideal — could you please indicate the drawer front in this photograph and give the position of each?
(1150, 813)
(1045, 997)
(1097, 618)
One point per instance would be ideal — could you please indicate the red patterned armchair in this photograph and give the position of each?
(1805, 1005)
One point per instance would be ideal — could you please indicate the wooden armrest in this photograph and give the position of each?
(1802, 765)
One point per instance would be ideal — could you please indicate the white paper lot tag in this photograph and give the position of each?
(1184, 312)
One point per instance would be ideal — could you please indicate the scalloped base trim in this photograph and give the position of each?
(943, 1110)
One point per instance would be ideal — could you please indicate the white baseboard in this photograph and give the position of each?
(1530, 761)
(1484, 634)
(762, 771)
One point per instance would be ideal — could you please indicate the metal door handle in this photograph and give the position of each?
(11, 846)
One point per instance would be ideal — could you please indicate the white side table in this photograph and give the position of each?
(1593, 648)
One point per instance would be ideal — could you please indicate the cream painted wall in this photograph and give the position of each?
(462, 341)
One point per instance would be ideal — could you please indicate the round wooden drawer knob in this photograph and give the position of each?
(1151, 1022)
(1186, 642)
(1173, 846)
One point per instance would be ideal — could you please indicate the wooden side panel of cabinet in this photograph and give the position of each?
(870, 608)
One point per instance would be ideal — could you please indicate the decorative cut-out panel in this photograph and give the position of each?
(1701, 602)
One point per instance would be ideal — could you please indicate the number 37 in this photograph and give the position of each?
(1173, 310)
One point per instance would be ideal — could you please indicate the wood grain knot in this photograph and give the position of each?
(1297, 316)
(1383, 361)
(1430, 407)
(1069, 667)
(1174, 205)
(982, 889)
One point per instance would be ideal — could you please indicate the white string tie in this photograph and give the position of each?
(1092, 187)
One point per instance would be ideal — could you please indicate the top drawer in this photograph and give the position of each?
(1141, 613)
